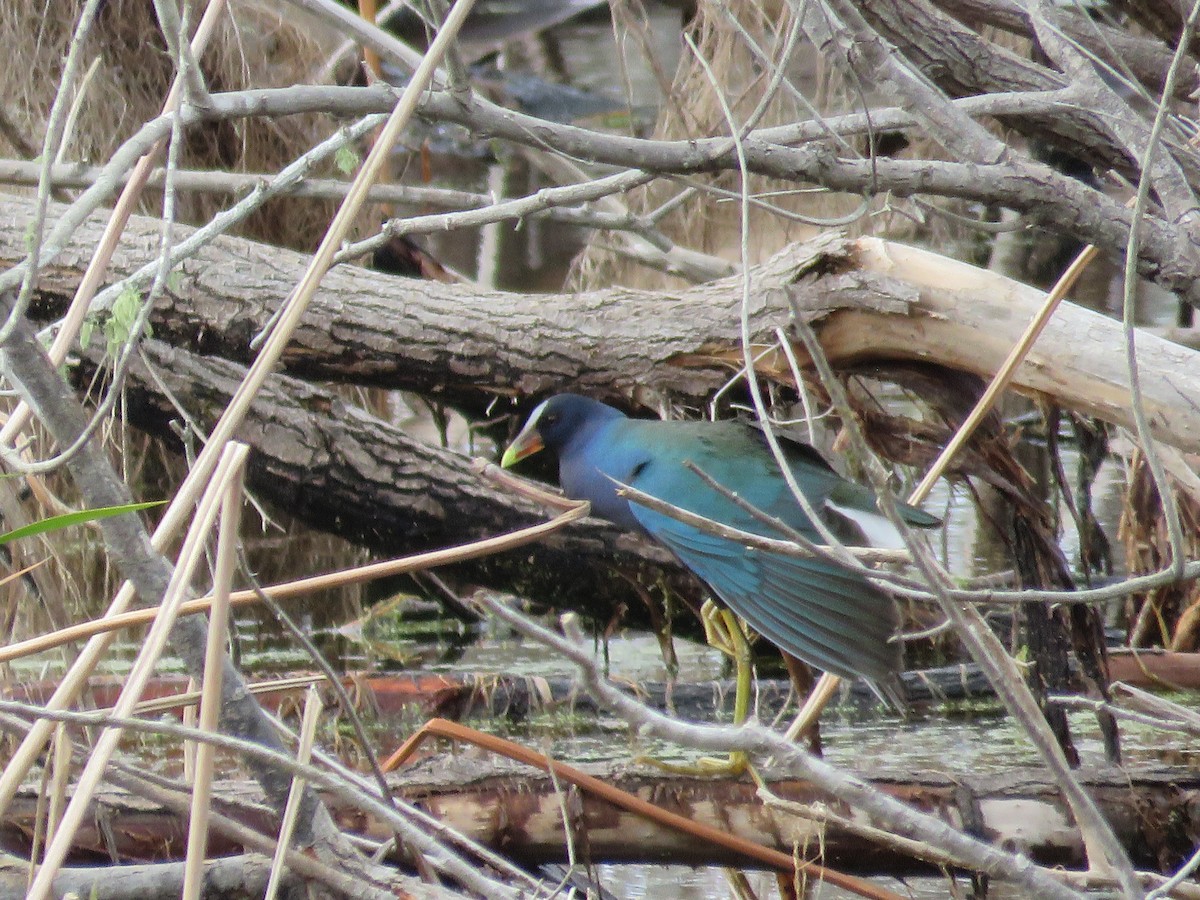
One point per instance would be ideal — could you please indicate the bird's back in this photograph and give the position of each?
(735, 456)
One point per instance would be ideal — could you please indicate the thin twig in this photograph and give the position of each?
(308, 731)
(191, 554)
(365, 745)
(50, 142)
(336, 784)
(263, 365)
(1146, 179)
(624, 800)
(985, 647)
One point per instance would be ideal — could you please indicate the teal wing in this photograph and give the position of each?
(827, 616)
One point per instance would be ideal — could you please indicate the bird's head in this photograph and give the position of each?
(555, 423)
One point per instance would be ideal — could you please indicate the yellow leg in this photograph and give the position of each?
(725, 632)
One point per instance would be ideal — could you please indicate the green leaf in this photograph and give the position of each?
(67, 520)
(346, 159)
(118, 327)
(85, 332)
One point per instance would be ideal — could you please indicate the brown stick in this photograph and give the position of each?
(773, 858)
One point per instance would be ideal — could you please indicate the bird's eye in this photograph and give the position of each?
(550, 419)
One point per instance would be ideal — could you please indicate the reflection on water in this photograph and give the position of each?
(975, 739)
(632, 657)
(534, 255)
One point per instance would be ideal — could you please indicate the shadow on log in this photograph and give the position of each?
(342, 470)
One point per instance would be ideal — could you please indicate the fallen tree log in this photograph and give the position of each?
(227, 878)
(344, 471)
(518, 811)
(1018, 810)
(870, 300)
(341, 470)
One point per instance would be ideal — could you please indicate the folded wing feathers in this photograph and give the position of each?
(829, 617)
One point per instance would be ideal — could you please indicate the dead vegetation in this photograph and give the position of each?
(688, 204)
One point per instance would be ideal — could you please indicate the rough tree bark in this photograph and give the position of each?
(342, 470)
(518, 810)
(872, 301)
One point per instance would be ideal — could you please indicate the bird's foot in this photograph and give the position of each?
(727, 635)
(722, 631)
(706, 766)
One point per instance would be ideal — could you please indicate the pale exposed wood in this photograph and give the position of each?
(967, 318)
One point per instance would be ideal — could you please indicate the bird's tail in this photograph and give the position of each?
(891, 691)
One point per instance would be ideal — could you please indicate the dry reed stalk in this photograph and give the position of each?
(42, 815)
(231, 419)
(192, 553)
(98, 265)
(210, 702)
(252, 45)
(189, 720)
(403, 565)
(190, 699)
(308, 730)
(256, 44)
